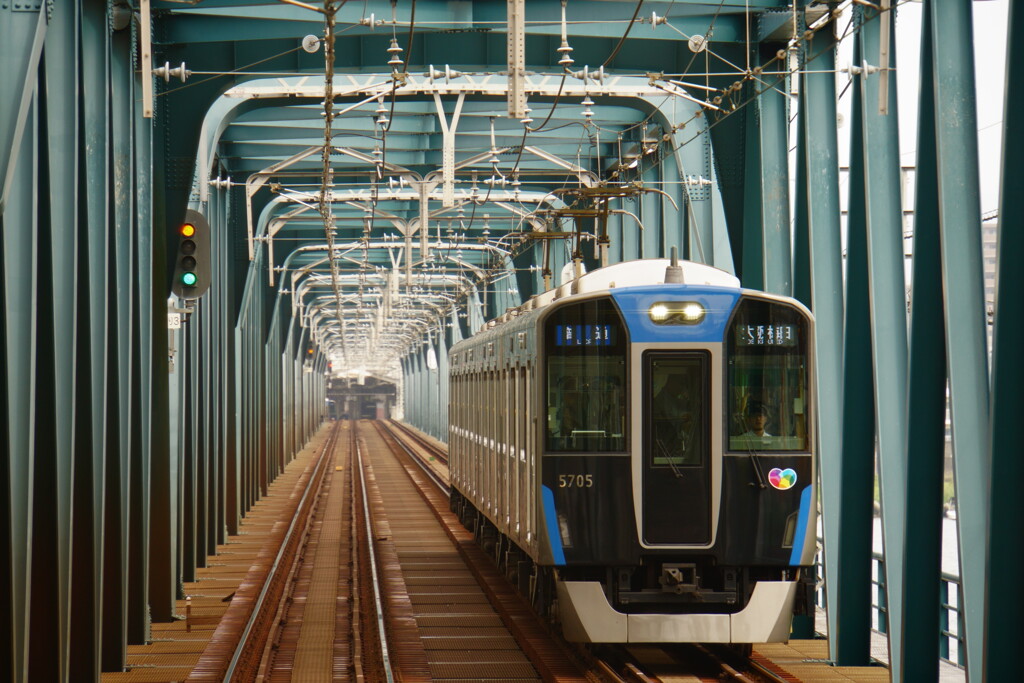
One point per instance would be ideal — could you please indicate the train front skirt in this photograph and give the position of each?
(587, 616)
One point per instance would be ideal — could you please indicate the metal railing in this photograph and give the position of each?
(951, 620)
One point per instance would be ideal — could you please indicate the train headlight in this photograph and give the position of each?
(677, 313)
(693, 312)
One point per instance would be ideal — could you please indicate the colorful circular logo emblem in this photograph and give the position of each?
(782, 479)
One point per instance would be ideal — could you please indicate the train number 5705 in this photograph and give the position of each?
(579, 481)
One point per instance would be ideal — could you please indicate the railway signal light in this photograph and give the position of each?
(192, 259)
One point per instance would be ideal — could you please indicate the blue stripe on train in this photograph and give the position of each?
(635, 302)
(554, 537)
(806, 499)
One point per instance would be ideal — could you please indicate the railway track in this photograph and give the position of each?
(374, 579)
(236, 650)
(644, 664)
(472, 624)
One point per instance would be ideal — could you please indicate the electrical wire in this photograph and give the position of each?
(622, 40)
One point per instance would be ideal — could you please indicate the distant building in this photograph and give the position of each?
(989, 235)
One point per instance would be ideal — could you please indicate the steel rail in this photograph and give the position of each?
(397, 430)
(315, 476)
(385, 655)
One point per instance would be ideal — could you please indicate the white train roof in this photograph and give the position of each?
(625, 274)
(650, 272)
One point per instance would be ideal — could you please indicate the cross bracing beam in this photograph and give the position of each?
(540, 85)
(200, 24)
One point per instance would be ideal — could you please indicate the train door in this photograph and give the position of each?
(514, 440)
(509, 447)
(502, 450)
(676, 472)
(531, 458)
(489, 474)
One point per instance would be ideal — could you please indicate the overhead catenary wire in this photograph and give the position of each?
(324, 205)
(761, 85)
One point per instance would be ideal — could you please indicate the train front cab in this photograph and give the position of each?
(677, 523)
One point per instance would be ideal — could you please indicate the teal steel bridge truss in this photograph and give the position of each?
(382, 179)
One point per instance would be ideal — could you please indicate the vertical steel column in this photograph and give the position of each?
(420, 373)
(201, 425)
(456, 329)
(695, 218)
(205, 424)
(142, 373)
(752, 258)
(270, 398)
(722, 257)
(626, 240)
(239, 429)
(884, 214)
(819, 156)
(232, 407)
(432, 393)
(225, 407)
(54, 433)
(91, 391)
(926, 403)
(188, 391)
(766, 260)
(773, 140)
(443, 370)
(1003, 607)
(849, 573)
(963, 286)
(801, 228)
(657, 234)
(18, 217)
(407, 387)
(279, 362)
(245, 382)
(116, 541)
(402, 390)
(416, 414)
(163, 484)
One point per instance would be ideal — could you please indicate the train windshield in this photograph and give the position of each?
(586, 378)
(767, 399)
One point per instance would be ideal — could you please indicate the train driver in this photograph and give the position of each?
(757, 418)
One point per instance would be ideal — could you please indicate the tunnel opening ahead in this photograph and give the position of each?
(368, 398)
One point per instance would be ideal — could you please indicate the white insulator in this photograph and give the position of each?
(166, 72)
(587, 111)
(566, 61)
(394, 51)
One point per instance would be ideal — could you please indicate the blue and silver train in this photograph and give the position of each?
(637, 449)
